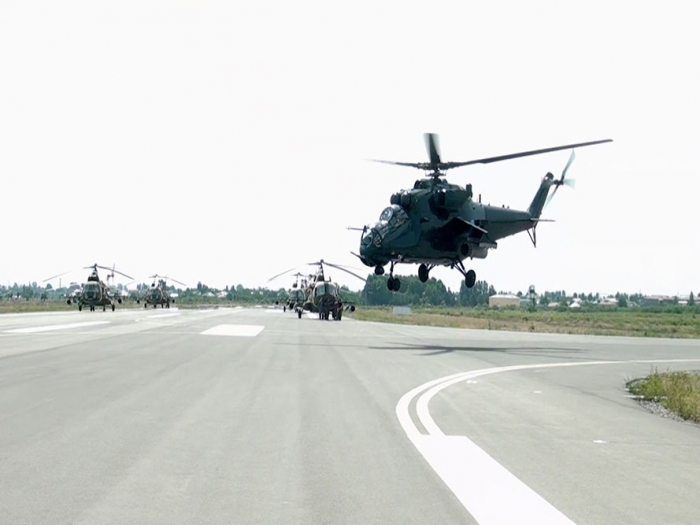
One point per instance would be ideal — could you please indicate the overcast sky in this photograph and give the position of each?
(225, 142)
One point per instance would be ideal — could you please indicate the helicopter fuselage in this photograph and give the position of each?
(438, 223)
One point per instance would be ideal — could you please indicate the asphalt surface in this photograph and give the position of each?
(144, 418)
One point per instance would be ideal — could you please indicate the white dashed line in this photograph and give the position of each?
(35, 329)
(235, 330)
(161, 316)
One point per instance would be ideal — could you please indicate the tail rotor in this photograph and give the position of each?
(563, 180)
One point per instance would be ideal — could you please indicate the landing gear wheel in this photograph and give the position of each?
(339, 316)
(145, 305)
(397, 284)
(378, 270)
(104, 308)
(423, 273)
(284, 308)
(155, 305)
(390, 284)
(299, 313)
(80, 307)
(167, 305)
(114, 307)
(470, 278)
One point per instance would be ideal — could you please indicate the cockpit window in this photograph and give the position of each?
(394, 215)
(386, 214)
(325, 288)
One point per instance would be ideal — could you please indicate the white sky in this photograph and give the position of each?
(225, 141)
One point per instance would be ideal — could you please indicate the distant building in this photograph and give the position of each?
(503, 300)
(656, 300)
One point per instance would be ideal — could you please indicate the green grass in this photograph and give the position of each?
(677, 391)
(624, 322)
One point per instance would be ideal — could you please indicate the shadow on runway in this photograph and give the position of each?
(534, 351)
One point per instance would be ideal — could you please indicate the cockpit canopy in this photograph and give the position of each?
(394, 215)
(325, 288)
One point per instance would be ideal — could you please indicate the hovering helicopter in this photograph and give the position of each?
(95, 292)
(320, 294)
(158, 293)
(438, 223)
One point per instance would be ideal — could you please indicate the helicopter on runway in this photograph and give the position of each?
(95, 292)
(320, 294)
(158, 293)
(438, 223)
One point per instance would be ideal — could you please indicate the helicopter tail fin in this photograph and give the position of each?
(538, 202)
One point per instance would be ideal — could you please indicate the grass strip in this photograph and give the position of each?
(677, 391)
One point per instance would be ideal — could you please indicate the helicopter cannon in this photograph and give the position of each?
(439, 223)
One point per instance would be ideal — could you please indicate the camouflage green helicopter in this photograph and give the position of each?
(295, 295)
(437, 223)
(95, 292)
(158, 293)
(320, 294)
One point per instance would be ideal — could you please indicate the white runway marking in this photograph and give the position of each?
(235, 330)
(161, 316)
(36, 329)
(480, 483)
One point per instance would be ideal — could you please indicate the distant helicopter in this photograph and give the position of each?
(295, 295)
(437, 223)
(320, 294)
(95, 292)
(158, 293)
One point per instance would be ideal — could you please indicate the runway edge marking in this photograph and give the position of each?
(479, 482)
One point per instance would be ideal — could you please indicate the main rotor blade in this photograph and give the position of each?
(281, 274)
(432, 144)
(176, 281)
(54, 277)
(346, 271)
(488, 160)
(419, 165)
(123, 274)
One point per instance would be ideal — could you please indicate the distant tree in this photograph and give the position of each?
(691, 300)
(622, 301)
(49, 287)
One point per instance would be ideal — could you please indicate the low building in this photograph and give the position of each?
(504, 300)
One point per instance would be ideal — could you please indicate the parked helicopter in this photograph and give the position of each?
(438, 223)
(320, 294)
(295, 295)
(95, 292)
(158, 293)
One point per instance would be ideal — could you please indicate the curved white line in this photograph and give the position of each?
(489, 492)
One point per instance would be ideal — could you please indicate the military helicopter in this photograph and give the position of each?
(95, 292)
(320, 294)
(438, 223)
(158, 293)
(295, 295)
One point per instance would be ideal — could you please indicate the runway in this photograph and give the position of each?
(256, 416)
